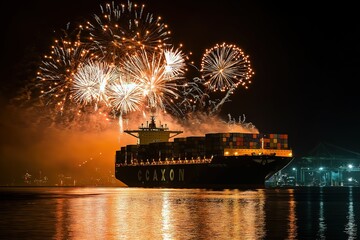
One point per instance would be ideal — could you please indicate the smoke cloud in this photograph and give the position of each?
(81, 154)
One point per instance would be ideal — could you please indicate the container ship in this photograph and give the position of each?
(215, 160)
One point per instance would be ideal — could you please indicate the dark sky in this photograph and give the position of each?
(305, 57)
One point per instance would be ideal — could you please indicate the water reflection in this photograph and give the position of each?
(131, 213)
(166, 217)
(164, 214)
(292, 229)
(351, 226)
(322, 224)
(60, 229)
(78, 213)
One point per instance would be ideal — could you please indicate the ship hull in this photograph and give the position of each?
(220, 172)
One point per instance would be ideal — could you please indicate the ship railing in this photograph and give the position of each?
(136, 162)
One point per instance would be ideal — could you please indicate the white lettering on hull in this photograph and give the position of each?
(163, 175)
(181, 174)
(166, 175)
(171, 174)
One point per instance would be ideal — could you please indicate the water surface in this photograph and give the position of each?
(137, 213)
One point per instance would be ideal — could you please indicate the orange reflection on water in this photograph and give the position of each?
(59, 213)
(166, 215)
(161, 214)
(81, 216)
(292, 230)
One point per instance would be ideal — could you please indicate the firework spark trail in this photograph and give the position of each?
(192, 95)
(225, 66)
(218, 105)
(90, 82)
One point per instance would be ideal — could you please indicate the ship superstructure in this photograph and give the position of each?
(151, 133)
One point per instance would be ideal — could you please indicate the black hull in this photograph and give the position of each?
(221, 172)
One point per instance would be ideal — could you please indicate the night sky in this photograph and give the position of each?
(305, 58)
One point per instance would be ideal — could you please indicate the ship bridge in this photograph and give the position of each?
(151, 133)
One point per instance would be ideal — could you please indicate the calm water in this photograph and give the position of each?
(135, 213)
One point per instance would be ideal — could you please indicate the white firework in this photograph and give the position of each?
(175, 62)
(147, 69)
(90, 82)
(125, 96)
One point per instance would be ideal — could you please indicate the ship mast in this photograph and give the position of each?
(151, 133)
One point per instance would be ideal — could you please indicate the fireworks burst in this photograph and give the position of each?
(149, 71)
(90, 82)
(175, 62)
(226, 66)
(125, 96)
(122, 28)
(57, 69)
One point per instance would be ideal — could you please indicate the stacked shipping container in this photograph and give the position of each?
(199, 146)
